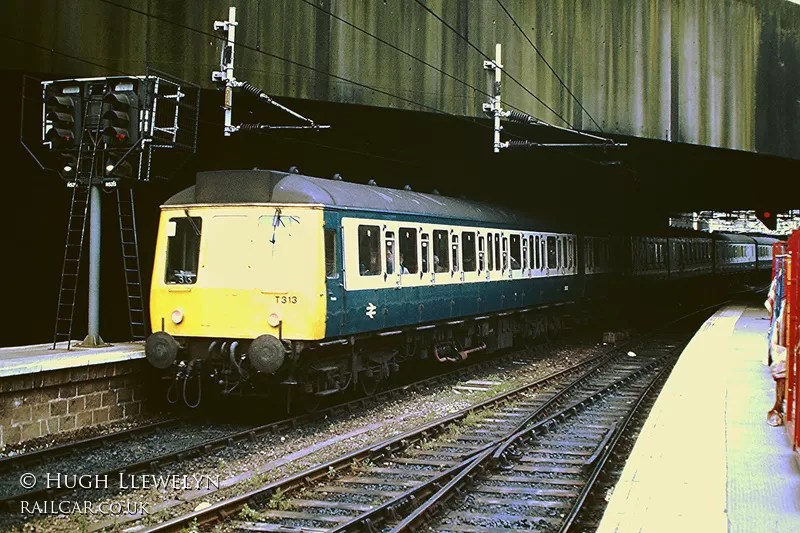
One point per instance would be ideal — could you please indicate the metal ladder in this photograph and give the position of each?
(76, 227)
(130, 264)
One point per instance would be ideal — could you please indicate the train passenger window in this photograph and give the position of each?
(481, 253)
(183, 250)
(524, 253)
(490, 255)
(408, 251)
(516, 255)
(551, 252)
(497, 251)
(468, 251)
(331, 268)
(441, 261)
(369, 250)
(505, 253)
(424, 238)
(539, 255)
(391, 260)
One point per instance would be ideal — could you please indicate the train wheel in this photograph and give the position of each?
(369, 385)
(310, 403)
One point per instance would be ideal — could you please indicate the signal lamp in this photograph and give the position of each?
(119, 170)
(60, 116)
(177, 316)
(120, 116)
(274, 320)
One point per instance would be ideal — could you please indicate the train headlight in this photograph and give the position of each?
(177, 316)
(273, 320)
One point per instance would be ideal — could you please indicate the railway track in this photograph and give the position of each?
(48, 459)
(402, 482)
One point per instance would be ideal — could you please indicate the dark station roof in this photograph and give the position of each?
(269, 186)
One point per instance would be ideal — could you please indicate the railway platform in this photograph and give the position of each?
(20, 360)
(45, 391)
(706, 459)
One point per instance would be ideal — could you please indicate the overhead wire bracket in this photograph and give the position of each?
(225, 76)
(495, 110)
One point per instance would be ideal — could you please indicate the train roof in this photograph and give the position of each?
(732, 237)
(269, 186)
(760, 239)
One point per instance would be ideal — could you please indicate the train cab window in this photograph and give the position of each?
(408, 251)
(426, 253)
(551, 252)
(516, 254)
(331, 267)
(490, 255)
(441, 261)
(391, 259)
(455, 252)
(524, 253)
(369, 251)
(183, 250)
(538, 254)
(505, 253)
(468, 251)
(497, 251)
(481, 253)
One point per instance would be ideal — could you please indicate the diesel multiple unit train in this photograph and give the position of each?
(267, 280)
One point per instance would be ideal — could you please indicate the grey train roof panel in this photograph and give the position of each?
(730, 237)
(268, 186)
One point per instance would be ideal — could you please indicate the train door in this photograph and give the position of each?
(334, 276)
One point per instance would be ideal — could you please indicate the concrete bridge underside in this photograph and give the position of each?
(722, 73)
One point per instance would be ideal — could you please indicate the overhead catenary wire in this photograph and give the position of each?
(437, 69)
(570, 128)
(471, 45)
(541, 56)
(322, 72)
(469, 120)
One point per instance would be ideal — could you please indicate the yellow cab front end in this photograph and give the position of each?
(233, 284)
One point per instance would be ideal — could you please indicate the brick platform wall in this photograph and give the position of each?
(55, 401)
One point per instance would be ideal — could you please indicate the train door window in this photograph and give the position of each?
(532, 251)
(468, 251)
(183, 250)
(551, 252)
(516, 255)
(369, 250)
(524, 253)
(391, 260)
(481, 253)
(408, 251)
(455, 252)
(558, 262)
(331, 267)
(538, 254)
(441, 261)
(570, 252)
(490, 255)
(425, 248)
(505, 253)
(497, 251)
